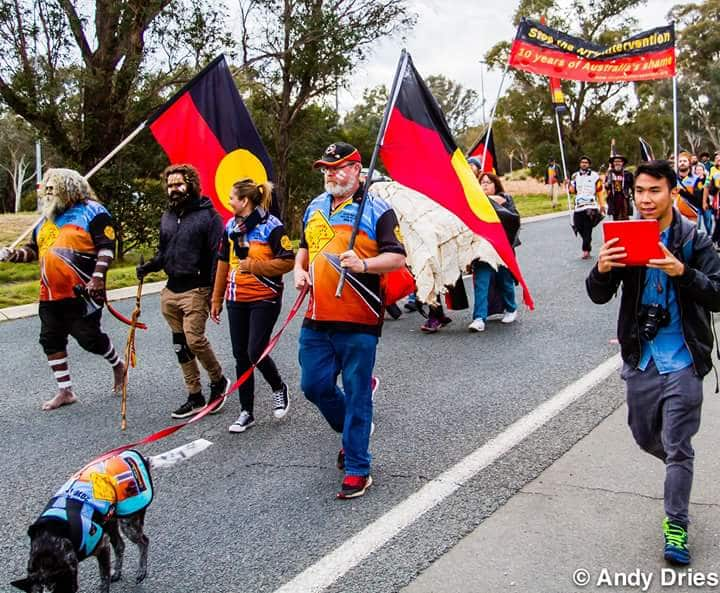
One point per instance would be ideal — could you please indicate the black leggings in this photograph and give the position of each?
(583, 224)
(251, 326)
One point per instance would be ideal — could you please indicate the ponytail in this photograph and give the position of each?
(259, 194)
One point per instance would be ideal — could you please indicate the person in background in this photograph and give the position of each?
(586, 186)
(553, 181)
(619, 188)
(254, 254)
(712, 196)
(483, 272)
(686, 201)
(705, 161)
(702, 199)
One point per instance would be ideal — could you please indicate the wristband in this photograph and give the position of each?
(98, 275)
(365, 269)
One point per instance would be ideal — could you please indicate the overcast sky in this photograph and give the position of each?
(452, 36)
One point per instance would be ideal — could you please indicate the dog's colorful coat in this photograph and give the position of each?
(119, 486)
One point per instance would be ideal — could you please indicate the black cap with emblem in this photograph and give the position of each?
(338, 154)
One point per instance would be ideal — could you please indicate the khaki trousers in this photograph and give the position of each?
(553, 190)
(187, 312)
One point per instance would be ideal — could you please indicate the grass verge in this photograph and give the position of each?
(26, 291)
(536, 204)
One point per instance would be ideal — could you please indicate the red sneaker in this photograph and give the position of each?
(354, 486)
(374, 384)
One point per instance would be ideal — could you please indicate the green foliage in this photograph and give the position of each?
(699, 72)
(457, 103)
(317, 126)
(299, 53)
(361, 125)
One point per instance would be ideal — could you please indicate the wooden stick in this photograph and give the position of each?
(129, 348)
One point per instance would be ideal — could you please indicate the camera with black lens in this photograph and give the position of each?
(651, 318)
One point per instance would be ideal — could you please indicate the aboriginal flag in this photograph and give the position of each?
(418, 151)
(556, 95)
(207, 125)
(491, 162)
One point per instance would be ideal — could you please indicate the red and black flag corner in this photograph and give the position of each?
(418, 151)
(540, 49)
(478, 150)
(207, 125)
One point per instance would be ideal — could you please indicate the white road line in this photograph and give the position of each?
(348, 555)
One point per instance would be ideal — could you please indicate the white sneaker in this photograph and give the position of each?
(244, 421)
(477, 325)
(509, 317)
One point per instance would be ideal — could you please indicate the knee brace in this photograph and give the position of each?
(183, 352)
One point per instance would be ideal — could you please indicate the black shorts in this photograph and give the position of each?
(60, 319)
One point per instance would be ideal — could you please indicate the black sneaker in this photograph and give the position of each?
(410, 307)
(195, 402)
(217, 390)
(244, 421)
(394, 311)
(281, 402)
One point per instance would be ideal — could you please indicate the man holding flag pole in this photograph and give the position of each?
(340, 335)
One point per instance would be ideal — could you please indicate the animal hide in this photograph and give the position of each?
(439, 245)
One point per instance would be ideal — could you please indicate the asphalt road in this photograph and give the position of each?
(258, 508)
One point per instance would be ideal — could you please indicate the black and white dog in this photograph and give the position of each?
(85, 518)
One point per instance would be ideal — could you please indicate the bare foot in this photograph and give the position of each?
(64, 397)
(118, 377)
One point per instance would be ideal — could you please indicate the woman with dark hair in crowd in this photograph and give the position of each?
(483, 272)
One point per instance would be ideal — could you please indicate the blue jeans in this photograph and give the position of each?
(706, 218)
(323, 356)
(482, 274)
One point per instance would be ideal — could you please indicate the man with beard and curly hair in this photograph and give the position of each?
(190, 232)
(75, 244)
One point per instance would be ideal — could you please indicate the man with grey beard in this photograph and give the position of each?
(340, 335)
(75, 243)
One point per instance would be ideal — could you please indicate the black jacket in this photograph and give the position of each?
(189, 242)
(697, 290)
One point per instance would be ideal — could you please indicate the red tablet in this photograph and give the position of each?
(640, 239)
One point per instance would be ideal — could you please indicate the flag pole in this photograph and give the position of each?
(89, 174)
(562, 158)
(395, 89)
(675, 121)
(492, 118)
(115, 150)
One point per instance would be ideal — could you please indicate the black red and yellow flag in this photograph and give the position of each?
(478, 150)
(539, 49)
(207, 125)
(556, 95)
(418, 151)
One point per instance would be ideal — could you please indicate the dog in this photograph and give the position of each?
(86, 515)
